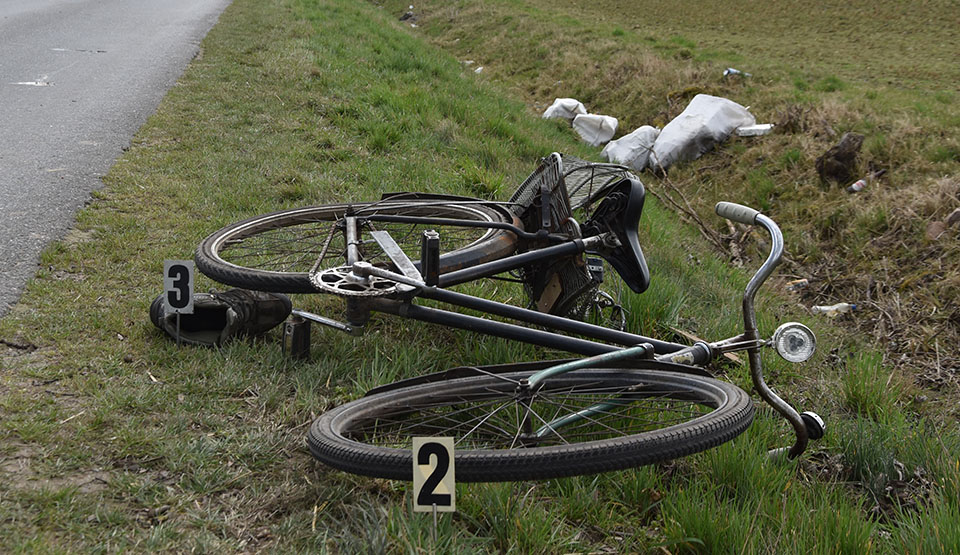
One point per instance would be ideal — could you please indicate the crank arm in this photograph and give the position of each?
(325, 321)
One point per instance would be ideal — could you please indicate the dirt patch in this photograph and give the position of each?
(76, 236)
(18, 460)
(91, 481)
(18, 469)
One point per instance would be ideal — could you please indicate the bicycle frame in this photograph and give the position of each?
(603, 345)
(600, 338)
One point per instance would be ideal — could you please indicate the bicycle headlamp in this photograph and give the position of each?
(794, 342)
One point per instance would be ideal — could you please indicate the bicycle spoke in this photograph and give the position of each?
(489, 416)
(589, 421)
(293, 248)
(547, 424)
(492, 375)
(434, 423)
(476, 420)
(519, 416)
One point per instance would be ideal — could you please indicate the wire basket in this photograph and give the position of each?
(561, 286)
(587, 181)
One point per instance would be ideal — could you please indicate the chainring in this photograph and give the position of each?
(343, 282)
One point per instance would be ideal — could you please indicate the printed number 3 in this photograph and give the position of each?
(427, 494)
(179, 296)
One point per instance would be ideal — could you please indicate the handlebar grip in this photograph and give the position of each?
(737, 212)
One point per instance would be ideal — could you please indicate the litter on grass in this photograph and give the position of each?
(754, 130)
(706, 121)
(632, 150)
(595, 129)
(565, 108)
(862, 183)
(798, 284)
(732, 71)
(834, 310)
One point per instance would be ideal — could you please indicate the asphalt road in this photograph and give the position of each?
(77, 79)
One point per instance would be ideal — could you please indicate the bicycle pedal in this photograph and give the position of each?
(296, 338)
(595, 267)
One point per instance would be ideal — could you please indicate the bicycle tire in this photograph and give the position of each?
(276, 251)
(372, 435)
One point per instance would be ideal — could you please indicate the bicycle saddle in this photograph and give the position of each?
(619, 213)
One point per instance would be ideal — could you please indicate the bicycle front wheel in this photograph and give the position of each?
(276, 252)
(583, 422)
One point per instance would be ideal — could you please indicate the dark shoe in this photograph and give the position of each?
(219, 316)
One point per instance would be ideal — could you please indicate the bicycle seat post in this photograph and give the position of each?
(357, 309)
(430, 257)
(353, 235)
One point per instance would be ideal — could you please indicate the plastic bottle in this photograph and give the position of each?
(834, 310)
(857, 186)
(797, 284)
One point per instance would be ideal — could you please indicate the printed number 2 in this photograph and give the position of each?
(428, 495)
(178, 297)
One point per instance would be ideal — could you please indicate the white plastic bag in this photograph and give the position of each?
(632, 150)
(564, 108)
(706, 121)
(595, 129)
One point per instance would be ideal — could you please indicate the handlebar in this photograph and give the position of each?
(737, 212)
(749, 216)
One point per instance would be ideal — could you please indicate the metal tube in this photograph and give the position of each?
(700, 353)
(574, 417)
(633, 352)
(495, 267)
(357, 311)
(750, 333)
(352, 236)
(488, 327)
(430, 257)
(547, 320)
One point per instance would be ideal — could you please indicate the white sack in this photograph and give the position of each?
(706, 121)
(632, 150)
(595, 129)
(565, 108)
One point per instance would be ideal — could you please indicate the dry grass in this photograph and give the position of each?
(877, 68)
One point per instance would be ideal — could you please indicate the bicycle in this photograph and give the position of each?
(635, 400)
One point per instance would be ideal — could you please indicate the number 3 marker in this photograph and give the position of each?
(178, 286)
(433, 478)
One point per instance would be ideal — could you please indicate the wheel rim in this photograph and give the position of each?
(495, 417)
(486, 415)
(366, 437)
(346, 437)
(293, 244)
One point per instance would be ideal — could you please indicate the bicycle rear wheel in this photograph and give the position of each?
(646, 416)
(276, 252)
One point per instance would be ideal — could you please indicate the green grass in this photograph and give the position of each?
(113, 439)
(894, 83)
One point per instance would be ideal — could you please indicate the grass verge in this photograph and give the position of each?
(112, 439)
